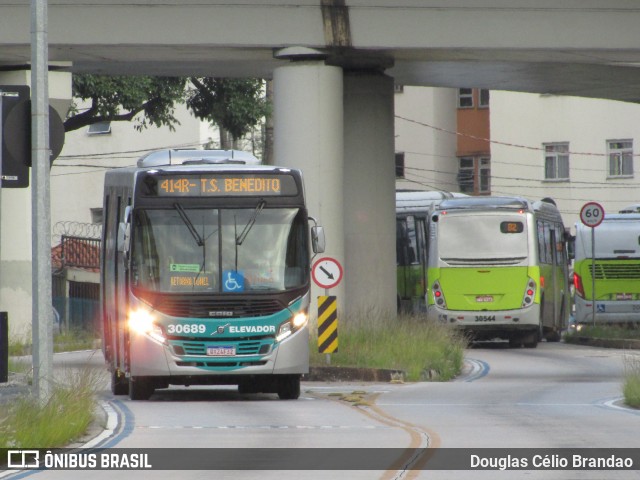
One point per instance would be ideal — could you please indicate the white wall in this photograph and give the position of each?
(77, 175)
(425, 118)
(521, 123)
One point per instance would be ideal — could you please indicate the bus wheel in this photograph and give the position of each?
(140, 388)
(289, 387)
(119, 383)
(515, 341)
(531, 340)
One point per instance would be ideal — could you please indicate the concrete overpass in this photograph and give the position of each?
(334, 64)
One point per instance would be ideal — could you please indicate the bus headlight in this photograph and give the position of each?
(142, 321)
(290, 326)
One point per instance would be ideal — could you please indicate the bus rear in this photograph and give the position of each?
(617, 271)
(486, 271)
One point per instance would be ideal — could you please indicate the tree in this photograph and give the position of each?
(121, 98)
(234, 105)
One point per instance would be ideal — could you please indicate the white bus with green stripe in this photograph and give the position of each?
(617, 271)
(498, 269)
(205, 276)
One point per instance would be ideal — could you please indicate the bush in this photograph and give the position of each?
(631, 386)
(421, 349)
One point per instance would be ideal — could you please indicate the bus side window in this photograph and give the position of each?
(405, 242)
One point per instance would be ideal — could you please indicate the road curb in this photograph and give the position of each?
(350, 374)
(628, 344)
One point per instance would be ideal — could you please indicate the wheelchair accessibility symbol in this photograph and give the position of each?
(233, 281)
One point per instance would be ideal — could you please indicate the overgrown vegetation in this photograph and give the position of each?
(609, 332)
(67, 341)
(24, 423)
(631, 387)
(421, 349)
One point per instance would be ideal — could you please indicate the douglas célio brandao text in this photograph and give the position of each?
(550, 462)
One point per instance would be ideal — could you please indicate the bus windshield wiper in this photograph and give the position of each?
(243, 235)
(187, 221)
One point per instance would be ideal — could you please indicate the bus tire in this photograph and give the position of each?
(289, 387)
(119, 383)
(530, 340)
(140, 388)
(515, 341)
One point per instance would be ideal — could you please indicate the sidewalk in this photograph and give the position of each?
(18, 386)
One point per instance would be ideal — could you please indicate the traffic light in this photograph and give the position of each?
(15, 134)
(14, 169)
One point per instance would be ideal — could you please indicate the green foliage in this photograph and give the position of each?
(235, 105)
(610, 332)
(631, 386)
(25, 423)
(121, 98)
(424, 350)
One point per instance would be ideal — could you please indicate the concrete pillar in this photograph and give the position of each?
(369, 193)
(308, 134)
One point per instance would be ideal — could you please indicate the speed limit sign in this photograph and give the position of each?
(592, 214)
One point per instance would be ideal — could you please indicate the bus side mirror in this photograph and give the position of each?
(317, 239)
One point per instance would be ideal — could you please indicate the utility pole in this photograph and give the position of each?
(42, 313)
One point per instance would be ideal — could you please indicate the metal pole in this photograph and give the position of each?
(40, 204)
(593, 275)
(4, 347)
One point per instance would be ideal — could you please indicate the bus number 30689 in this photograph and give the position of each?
(485, 318)
(186, 328)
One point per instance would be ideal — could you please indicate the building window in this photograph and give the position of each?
(400, 165)
(620, 158)
(96, 215)
(556, 161)
(465, 98)
(474, 175)
(99, 128)
(483, 101)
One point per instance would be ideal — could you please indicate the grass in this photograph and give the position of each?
(25, 423)
(609, 332)
(65, 417)
(68, 341)
(631, 386)
(421, 349)
(631, 383)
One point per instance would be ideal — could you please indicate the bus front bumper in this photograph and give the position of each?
(152, 358)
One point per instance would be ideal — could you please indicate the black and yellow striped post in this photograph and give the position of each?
(327, 325)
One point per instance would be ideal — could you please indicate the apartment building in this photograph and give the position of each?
(571, 149)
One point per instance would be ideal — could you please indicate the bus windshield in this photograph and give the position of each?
(204, 250)
(482, 239)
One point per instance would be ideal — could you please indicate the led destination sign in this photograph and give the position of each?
(218, 185)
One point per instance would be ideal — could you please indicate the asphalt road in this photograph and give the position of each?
(558, 396)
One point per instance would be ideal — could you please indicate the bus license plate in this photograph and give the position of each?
(221, 351)
(484, 298)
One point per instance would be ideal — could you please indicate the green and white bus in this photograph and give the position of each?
(617, 271)
(498, 268)
(206, 274)
(413, 214)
